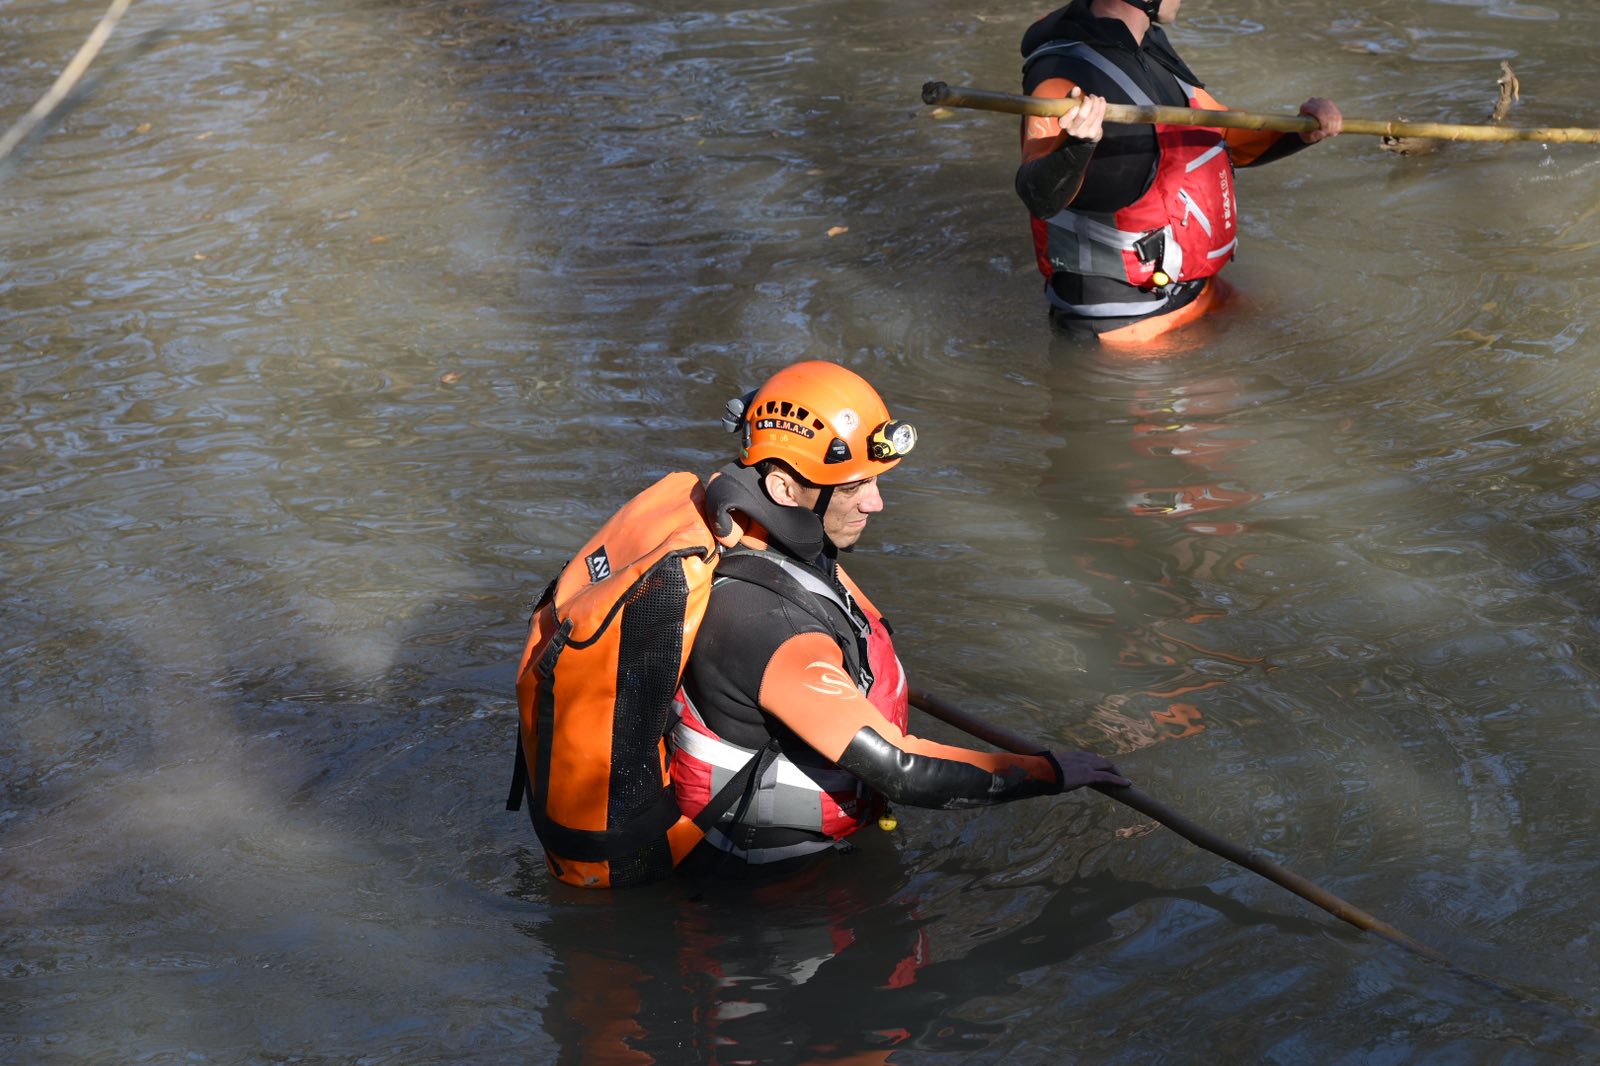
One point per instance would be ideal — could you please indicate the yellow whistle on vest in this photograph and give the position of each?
(1160, 278)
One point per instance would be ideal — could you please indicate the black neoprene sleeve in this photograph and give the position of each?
(1049, 183)
(925, 781)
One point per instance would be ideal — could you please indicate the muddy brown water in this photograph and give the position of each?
(328, 330)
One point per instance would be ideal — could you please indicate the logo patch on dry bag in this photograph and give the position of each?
(599, 565)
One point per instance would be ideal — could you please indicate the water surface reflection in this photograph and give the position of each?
(327, 332)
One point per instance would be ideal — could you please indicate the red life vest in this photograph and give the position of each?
(811, 795)
(1185, 225)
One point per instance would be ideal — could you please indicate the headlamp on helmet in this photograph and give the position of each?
(892, 440)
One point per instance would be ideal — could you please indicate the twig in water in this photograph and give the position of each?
(66, 82)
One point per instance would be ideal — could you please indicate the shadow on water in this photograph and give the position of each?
(842, 963)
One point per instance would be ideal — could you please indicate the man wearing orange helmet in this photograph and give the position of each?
(799, 665)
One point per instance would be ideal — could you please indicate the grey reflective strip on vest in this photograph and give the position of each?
(787, 795)
(1079, 50)
(1091, 228)
(1192, 208)
(1226, 249)
(756, 856)
(727, 758)
(818, 587)
(1127, 309)
(1083, 244)
(1200, 161)
(1086, 254)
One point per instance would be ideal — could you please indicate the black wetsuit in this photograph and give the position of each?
(737, 652)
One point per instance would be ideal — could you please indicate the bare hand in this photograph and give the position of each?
(1084, 122)
(1079, 768)
(1327, 114)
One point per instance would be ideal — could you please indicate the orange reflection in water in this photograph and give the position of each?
(1153, 495)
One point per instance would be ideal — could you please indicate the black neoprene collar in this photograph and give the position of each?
(738, 488)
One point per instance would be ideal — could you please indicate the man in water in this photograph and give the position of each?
(1132, 223)
(804, 666)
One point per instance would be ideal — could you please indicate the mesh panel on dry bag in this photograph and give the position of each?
(604, 658)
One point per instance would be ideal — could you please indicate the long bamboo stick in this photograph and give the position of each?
(937, 92)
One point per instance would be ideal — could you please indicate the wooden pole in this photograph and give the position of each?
(1001, 737)
(937, 92)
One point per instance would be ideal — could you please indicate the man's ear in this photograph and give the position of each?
(781, 488)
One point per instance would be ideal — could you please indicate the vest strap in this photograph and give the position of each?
(519, 777)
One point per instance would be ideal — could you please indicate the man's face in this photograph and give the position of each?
(846, 517)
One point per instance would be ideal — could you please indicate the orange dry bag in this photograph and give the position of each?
(609, 642)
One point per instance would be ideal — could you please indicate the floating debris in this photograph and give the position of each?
(1510, 93)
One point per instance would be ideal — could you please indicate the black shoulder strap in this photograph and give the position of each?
(741, 787)
(769, 572)
(1081, 52)
(808, 591)
(519, 772)
(519, 777)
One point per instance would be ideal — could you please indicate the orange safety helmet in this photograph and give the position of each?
(824, 421)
